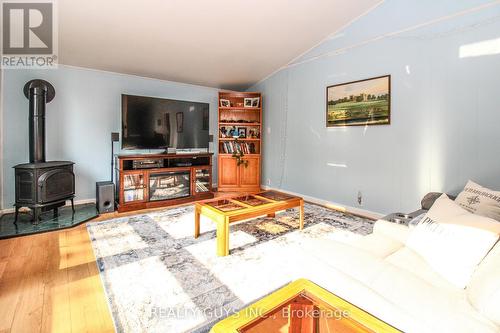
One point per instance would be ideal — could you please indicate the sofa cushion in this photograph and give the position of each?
(356, 262)
(378, 244)
(408, 260)
(443, 309)
(392, 230)
(452, 240)
(480, 200)
(484, 288)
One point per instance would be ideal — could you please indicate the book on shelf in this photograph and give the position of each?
(202, 187)
(230, 147)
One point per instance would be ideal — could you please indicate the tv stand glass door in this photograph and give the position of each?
(133, 186)
(169, 185)
(202, 180)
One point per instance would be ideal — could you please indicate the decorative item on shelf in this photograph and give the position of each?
(225, 103)
(248, 102)
(255, 102)
(238, 155)
(232, 132)
(223, 132)
(242, 132)
(254, 133)
(239, 104)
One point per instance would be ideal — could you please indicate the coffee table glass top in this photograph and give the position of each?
(276, 196)
(251, 200)
(239, 203)
(225, 205)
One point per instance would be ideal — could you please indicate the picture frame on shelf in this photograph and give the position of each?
(255, 102)
(247, 102)
(242, 132)
(225, 103)
(223, 132)
(253, 133)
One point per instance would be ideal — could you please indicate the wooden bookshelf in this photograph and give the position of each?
(234, 120)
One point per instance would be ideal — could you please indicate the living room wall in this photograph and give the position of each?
(444, 62)
(86, 109)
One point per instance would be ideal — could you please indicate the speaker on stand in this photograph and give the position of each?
(105, 191)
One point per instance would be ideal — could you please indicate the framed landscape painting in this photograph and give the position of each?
(359, 103)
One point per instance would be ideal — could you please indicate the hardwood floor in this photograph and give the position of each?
(50, 282)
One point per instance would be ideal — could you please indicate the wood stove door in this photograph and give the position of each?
(24, 186)
(55, 185)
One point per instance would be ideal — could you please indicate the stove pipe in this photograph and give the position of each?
(39, 93)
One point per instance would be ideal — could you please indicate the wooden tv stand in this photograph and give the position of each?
(158, 180)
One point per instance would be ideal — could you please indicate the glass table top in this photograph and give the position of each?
(225, 205)
(251, 200)
(243, 201)
(276, 196)
(305, 313)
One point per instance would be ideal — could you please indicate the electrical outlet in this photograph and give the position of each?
(360, 198)
(268, 181)
(269, 130)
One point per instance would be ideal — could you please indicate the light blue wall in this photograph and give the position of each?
(87, 108)
(445, 109)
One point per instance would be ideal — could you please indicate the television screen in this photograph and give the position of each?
(156, 123)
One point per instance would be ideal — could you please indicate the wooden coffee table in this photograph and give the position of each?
(238, 208)
(302, 307)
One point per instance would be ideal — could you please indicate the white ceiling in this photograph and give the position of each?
(219, 43)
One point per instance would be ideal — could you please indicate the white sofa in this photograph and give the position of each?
(381, 275)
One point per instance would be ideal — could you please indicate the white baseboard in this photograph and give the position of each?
(77, 202)
(332, 205)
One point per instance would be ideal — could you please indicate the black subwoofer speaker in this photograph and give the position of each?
(105, 197)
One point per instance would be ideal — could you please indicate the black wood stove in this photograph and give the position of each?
(41, 185)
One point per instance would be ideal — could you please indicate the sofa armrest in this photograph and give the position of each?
(429, 198)
(392, 230)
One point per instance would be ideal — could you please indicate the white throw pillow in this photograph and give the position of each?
(480, 200)
(452, 240)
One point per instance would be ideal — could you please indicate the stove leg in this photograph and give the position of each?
(73, 205)
(16, 215)
(36, 216)
(56, 212)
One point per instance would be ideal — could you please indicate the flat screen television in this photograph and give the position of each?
(157, 123)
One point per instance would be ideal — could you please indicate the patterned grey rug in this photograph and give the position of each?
(158, 278)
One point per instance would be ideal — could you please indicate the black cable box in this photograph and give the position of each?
(148, 164)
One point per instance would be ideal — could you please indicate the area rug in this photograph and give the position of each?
(158, 278)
